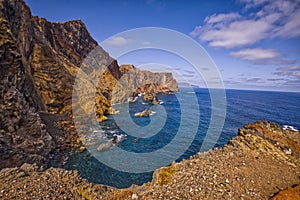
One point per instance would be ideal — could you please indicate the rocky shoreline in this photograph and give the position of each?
(262, 162)
(39, 61)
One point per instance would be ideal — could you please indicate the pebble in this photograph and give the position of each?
(134, 196)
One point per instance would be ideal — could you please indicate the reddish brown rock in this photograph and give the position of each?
(292, 193)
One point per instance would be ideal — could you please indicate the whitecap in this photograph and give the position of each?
(289, 127)
(113, 131)
(111, 143)
(152, 113)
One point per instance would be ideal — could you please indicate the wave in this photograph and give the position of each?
(113, 131)
(152, 113)
(132, 99)
(98, 131)
(289, 127)
(112, 142)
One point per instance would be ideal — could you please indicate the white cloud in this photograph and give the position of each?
(236, 34)
(253, 3)
(277, 18)
(292, 72)
(291, 28)
(275, 62)
(255, 54)
(289, 68)
(295, 74)
(221, 18)
(118, 41)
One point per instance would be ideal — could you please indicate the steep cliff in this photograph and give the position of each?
(134, 81)
(23, 136)
(39, 63)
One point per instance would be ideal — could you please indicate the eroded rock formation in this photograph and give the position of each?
(134, 81)
(39, 62)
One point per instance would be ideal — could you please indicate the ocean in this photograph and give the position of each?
(169, 120)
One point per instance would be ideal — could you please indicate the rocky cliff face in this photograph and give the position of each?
(22, 134)
(134, 81)
(39, 61)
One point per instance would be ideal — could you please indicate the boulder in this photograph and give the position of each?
(145, 113)
(151, 98)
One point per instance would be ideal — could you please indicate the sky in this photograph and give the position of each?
(255, 44)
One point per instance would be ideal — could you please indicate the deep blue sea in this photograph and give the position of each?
(242, 107)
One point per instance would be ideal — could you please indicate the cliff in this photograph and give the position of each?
(39, 62)
(134, 81)
(262, 162)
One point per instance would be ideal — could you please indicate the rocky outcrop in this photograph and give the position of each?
(51, 54)
(289, 193)
(134, 81)
(23, 136)
(144, 113)
(150, 97)
(39, 62)
(257, 164)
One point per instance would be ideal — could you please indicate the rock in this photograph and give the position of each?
(52, 183)
(134, 196)
(81, 149)
(145, 113)
(114, 111)
(134, 82)
(151, 98)
(20, 174)
(39, 62)
(11, 129)
(289, 193)
(29, 167)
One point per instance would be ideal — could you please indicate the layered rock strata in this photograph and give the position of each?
(39, 63)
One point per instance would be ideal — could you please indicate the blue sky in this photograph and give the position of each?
(254, 43)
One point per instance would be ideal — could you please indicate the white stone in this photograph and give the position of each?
(134, 196)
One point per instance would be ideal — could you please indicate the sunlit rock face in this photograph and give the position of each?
(39, 62)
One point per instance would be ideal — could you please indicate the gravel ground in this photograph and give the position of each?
(259, 163)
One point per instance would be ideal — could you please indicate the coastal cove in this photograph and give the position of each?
(110, 122)
(243, 106)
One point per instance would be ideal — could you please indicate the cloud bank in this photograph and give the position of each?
(277, 18)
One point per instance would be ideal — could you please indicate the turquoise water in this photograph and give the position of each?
(242, 107)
